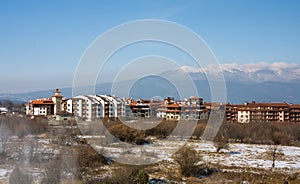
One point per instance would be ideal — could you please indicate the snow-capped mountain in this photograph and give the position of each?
(252, 72)
(275, 82)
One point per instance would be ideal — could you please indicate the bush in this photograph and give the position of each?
(221, 144)
(127, 134)
(22, 126)
(88, 157)
(127, 175)
(187, 158)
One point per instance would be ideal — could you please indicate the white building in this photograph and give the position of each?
(40, 107)
(3, 110)
(67, 105)
(90, 107)
(243, 116)
(45, 106)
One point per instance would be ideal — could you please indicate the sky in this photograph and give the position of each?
(41, 42)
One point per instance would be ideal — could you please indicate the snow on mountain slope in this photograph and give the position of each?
(256, 72)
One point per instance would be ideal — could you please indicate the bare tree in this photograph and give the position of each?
(275, 153)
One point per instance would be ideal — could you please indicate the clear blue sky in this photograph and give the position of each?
(41, 42)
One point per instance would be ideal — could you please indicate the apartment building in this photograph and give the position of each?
(294, 113)
(193, 109)
(169, 109)
(91, 107)
(187, 109)
(140, 108)
(45, 106)
(67, 105)
(262, 112)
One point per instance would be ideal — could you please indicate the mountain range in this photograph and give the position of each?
(263, 82)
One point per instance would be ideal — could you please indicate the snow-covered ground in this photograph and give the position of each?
(251, 156)
(4, 174)
(238, 155)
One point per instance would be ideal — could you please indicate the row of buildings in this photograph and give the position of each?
(263, 112)
(91, 107)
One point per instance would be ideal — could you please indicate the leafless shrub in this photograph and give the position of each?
(22, 126)
(263, 133)
(275, 154)
(187, 158)
(125, 175)
(127, 134)
(87, 157)
(162, 130)
(221, 144)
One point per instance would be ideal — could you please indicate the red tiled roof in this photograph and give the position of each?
(295, 106)
(42, 101)
(172, 105)
(135, 103)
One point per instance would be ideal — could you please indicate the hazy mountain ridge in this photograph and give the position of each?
(266, 82)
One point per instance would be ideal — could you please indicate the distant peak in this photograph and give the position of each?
(261, 71)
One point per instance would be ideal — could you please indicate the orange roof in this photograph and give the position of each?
(135, 103)
(172, 105)
(42, 101)
(295, 106)
(270, 104)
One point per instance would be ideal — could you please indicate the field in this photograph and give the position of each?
(61, 154)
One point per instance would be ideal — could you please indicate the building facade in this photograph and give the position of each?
(92, 107)
(45, 106)
(188, 109)
(262, 112)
